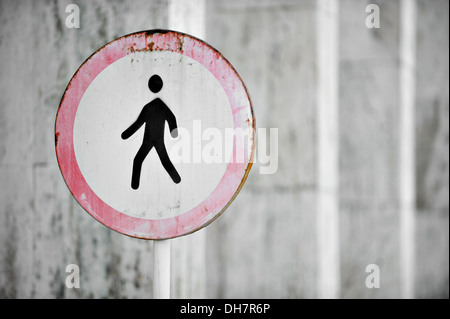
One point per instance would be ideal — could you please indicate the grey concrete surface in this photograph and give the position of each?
(265, 244)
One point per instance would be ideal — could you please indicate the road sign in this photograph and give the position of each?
(155, 134)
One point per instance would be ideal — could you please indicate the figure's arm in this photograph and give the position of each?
(171, 120)
(134, 127)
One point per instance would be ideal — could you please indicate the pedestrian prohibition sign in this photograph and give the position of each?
(155, 134)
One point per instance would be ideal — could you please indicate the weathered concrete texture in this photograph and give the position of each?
(432, 239)
(16, 165)
(273, 49)
(266, 249)
(432, 120)
(432, 151)
(265, 243)
(369, 86)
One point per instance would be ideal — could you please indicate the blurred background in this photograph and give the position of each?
(363, 167)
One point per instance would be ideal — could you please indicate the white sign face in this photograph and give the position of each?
(114, 101)
(155, 134)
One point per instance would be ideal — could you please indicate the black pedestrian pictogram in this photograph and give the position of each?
(154, 115)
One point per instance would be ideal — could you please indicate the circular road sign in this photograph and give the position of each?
(155, 134)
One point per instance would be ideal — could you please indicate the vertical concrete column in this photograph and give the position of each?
(327, 151)
(188, 253)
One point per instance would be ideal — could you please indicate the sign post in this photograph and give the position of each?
(155, 137)
(161, 269)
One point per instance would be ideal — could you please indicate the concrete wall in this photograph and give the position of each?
(268, 243)
(369, 139)
(432, 150)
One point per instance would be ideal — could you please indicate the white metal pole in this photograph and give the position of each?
(161, 269)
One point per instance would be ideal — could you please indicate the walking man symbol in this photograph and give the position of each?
(154, 115)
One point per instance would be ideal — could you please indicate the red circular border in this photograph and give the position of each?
(235, 173)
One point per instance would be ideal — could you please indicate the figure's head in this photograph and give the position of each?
(155, 83)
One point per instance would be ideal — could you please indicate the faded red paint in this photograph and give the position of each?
(234, 176)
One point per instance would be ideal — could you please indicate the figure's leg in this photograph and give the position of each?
(166, 162)
(137, 164)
